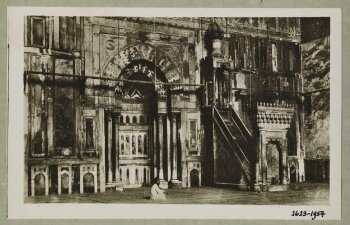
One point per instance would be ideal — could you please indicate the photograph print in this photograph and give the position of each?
(177, 110)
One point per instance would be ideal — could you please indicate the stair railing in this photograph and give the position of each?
(240, 124)
(231, 140)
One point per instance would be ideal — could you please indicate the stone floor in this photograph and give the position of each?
(305, 194)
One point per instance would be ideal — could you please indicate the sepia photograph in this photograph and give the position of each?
(167, 110)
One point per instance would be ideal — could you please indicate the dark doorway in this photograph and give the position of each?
(194, 178)
(75, 178)
(53, 181)
(293, 174)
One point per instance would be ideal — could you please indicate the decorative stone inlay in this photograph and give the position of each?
(39, 169)
(125, 56)
(274, 104)
(231, 24)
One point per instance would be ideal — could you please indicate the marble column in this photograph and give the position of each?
(160, 133)
(214, 87)
(116, 124)
(174, 135)
(258, 165)
(101, 148)
(109, 145)
(263, 158)
(155, 148)
(283, 144)
(50, 129)
(168, 147)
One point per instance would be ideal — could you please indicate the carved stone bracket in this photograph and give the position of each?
(274, 116)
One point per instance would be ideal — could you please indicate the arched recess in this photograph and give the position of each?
(64, 179)
(39, 184)
(39, 180)
(65, 183)
(88, 183)
(274, 162)
(120, 59)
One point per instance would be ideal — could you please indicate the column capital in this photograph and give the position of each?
(174, 117)
(114, 113)
(161, 117)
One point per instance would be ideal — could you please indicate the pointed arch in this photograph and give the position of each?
(120, 59)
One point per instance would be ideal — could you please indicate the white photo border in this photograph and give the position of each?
(17, 209)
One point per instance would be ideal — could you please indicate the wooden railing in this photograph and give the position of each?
(232, 142)
(244, 131)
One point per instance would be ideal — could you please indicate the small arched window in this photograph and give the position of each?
(136, 176)
(145, 144)
(122, 145)
(133, 144)
(127, 176)
(139, 144)
(145, 178)
(127, 119)
(134, 119)
(142, 119)
(121, 119)
(127, 145)
(121, 175)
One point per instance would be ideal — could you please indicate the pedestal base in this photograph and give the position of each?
(114, 186)
(257, 187)
(282, 187)
(163, 184)
(175, 184)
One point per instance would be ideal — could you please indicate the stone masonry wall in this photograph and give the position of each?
(316, 67)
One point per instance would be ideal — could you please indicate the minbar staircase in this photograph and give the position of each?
(238, 138)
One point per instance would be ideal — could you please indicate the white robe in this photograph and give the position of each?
(157, 193)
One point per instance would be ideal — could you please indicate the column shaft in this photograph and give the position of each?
(155, 148)
(168, 147)
(117, 175)
(161, 172)
(263, 160)
(101, 148)
(284, 161)
(174, 174)
(109, 135)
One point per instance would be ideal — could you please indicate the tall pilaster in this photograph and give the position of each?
(174, 146)
(109, 149)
